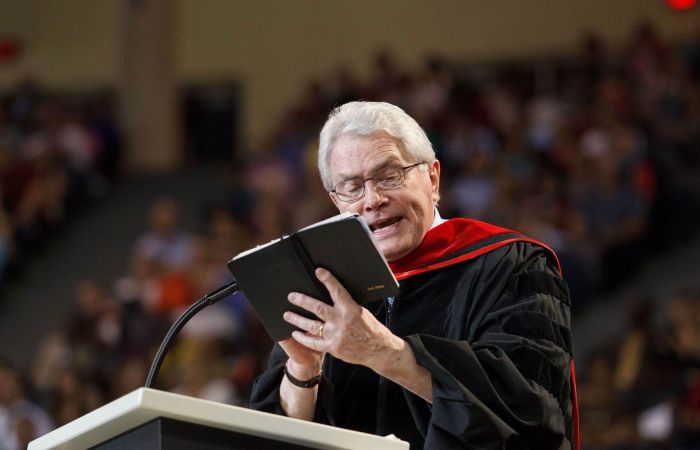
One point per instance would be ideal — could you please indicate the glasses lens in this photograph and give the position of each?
(389, 178)
(349, 190)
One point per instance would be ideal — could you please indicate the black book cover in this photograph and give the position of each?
(341, 244)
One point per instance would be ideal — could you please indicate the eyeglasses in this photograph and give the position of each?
(392, 177)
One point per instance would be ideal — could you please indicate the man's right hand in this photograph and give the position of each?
(304, 363)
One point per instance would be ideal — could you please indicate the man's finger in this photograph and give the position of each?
(316, 307)
(339, 295)
(309, 341)
(306, 324)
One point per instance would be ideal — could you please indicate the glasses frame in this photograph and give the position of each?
(403, 171)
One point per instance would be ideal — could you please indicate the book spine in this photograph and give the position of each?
(309, 266)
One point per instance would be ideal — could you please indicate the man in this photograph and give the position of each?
(475, 352)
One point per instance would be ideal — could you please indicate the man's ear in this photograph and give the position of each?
(434, 174)
(335, 200)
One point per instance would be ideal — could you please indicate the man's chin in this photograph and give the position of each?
(392, 250)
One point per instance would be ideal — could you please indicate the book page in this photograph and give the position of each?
(259, 247)
(336, 218)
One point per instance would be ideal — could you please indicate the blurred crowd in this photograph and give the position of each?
(57, 154)
(594, 154)
(642, 391)
(108, 341)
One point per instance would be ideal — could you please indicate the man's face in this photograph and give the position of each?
(398, 218)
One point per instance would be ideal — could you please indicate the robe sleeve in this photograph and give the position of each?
(501, 374)
(265, 394)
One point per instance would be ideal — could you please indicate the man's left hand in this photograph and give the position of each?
(346, 330)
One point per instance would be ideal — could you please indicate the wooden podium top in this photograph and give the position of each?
(144, 405)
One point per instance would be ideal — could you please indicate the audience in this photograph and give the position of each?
(57, 155)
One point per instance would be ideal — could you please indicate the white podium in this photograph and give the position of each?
(152, 419)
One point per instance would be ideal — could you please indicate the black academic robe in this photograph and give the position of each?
(488, 317)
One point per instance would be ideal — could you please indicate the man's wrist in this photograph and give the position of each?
(302, 371)
(303, 383)
(392, 357)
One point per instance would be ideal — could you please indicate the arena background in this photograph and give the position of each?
(122, 122)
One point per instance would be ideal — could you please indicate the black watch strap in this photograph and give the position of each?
(311, 382)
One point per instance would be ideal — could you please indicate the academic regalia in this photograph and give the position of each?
(487, 314)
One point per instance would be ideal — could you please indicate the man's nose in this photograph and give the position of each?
(373, 196)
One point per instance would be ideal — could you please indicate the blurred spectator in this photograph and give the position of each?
(615, 214)
(53, 356)
(20, 420)
(202, 373)
(23, 101)
(74, 396)
(93, 331)
(138, 292)
(688, 428)
(431, 93)
(129, 376)
(165, 243)
(682, 337)
(6, 243)
(473, 191)
(101, 120)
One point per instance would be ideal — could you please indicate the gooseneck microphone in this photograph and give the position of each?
(209, 299)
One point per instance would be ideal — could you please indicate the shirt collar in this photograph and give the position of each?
(437, 220)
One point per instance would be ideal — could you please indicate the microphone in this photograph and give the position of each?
(209, 299)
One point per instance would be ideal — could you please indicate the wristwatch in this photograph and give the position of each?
(311, 382)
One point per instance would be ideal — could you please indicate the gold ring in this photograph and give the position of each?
(320, 331)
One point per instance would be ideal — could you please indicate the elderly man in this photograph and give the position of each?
(475, 352)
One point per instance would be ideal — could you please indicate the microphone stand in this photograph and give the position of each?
(209, 299)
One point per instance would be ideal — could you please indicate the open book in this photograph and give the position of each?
(342, 244)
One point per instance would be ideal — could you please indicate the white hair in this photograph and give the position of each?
(365, 119)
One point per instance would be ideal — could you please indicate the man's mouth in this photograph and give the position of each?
(383, 226)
